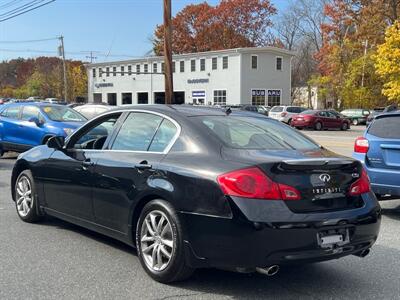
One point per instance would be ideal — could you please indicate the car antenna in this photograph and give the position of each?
(228, 111)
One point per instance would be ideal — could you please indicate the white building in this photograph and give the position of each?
(308, 97)
(235, 76)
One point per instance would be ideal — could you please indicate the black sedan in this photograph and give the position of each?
(194, 187)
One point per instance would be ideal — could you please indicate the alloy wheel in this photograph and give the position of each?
(24, 197)
(156, 240)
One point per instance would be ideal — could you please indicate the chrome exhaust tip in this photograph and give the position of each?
(363, 253)
(269, 271)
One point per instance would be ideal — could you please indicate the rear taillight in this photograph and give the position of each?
(361, 185)
(361, 145)
(253, 183)
(283, 114)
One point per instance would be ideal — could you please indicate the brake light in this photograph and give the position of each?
(283, 114)
(253, 183)
(361, 145)
(361, 185)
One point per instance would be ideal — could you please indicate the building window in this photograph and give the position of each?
(279, 63)
(146, 68)
(107, 71)
(193, 65)
(220, 97)
(182, 66)
(202, 64)
(162, 67)
(129, 70)
(274, 97)
(215, 63)
(173, 67)
(114, 71)
(258, 97)
(126, 98)
(100, 72)
(225, 62)
(155, 68)
(254, 61)
(138, 69)
(142, 98)
(94, 73)
(122, 70)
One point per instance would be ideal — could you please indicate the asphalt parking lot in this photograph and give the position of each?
(54, 259)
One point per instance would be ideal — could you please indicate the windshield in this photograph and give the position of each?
(62, 114)
(277, 109)
(255, 133)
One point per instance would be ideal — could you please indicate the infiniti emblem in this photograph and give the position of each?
(325, 177)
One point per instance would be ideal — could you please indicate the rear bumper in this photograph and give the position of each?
(245, 242)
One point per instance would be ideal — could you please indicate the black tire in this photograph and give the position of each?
(32, 215)
(289, 122)
(318, 126)
(46, 138)
(176, 269)
(355, 122)
(345, 126)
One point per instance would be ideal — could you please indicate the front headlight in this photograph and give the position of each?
(68, 131)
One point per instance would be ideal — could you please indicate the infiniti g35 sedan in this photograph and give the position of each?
(193, 187)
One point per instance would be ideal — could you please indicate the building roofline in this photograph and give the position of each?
(148, 59)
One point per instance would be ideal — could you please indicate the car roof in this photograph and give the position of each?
(38, 104)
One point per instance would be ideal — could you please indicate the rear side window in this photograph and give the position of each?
(137, 132)
(387, 127)
(163, 137)
(11, 112)
(255, 133)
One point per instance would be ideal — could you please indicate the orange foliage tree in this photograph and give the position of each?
(231, 24)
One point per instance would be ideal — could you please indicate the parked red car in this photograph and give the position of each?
(320, 119)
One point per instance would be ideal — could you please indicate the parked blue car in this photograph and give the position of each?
(26, 125)
(379, 151)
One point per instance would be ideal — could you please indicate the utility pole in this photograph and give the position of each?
(62, 52)
(169, 87)
(364, 62)
(91, 57)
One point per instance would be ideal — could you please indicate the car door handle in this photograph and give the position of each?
(87, 163)
(143, 165)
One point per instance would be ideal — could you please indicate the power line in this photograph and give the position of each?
(29, 41)
(26, 11)
(81, 53)
(11, 3)
(22, 7)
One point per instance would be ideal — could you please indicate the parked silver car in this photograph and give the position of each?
(285, 113)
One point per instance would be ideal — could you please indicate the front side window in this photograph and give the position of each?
(11, 112)
(30, 112)
(279, 63)
(137, 132)
(62, 114)
(254, 61)
(225, 62)
(255, 133)
(220, 97)
(214, 63)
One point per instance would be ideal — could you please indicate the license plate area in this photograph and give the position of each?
(333, 238)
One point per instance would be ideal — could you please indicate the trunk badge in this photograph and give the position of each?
(325, 177)
(355, 175)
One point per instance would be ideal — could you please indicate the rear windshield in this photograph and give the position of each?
(255, 133)
(387, 127)
(63, 114)
(277, 109)
(308, 112)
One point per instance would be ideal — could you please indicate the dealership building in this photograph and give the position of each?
(260, 76)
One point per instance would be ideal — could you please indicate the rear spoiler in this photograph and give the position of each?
(317, 163)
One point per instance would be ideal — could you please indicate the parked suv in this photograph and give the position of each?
(26, 125)
(357, 116)
(285, 113)
(378, 149)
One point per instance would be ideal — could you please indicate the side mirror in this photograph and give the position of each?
(36, 121)
(56, 142)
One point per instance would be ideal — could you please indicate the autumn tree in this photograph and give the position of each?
(230, 24)
(388, 62)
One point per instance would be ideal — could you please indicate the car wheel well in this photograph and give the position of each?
(138, 210)
(18, 169)
(46, 138)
